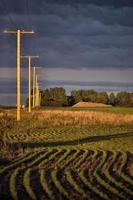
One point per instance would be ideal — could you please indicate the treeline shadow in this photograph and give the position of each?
(69, 142)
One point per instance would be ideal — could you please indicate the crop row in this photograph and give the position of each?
(67, 174)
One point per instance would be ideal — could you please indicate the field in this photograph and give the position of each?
(67, 153)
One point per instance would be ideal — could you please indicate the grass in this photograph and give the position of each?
(102, 128)
(65, 146)
(116, 110)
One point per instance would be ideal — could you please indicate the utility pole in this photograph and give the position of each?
(18, 33)
(35, 88)
(34, 74)
(29, 76)
(36, 91)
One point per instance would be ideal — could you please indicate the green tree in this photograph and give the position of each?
(54, 97)
(76, 94)
(112, 99)
(102, 97)
(123, 99)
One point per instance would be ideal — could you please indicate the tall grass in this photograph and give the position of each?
(59, 118)
(45, 119)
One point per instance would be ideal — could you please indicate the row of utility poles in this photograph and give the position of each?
(36, 93)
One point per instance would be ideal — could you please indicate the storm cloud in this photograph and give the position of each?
(79, 42)
(71, 35)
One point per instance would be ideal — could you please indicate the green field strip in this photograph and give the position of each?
(98, 168)
(100, 180)
(93, 156)
(44, 162)
(90, 161)
(117, 167)
(22, 161)
(95, 165)
(91, 186)
(73, 163)
(52, 162)
(21, 157)
(119, 185)
(60, 159)
(79, 182)
(11, 137)
(26, 183)
(12, 184)
(73, 183)
(58, 184)
(39, 159)
(45, 184)
(127, 168)
(70, 159)
(66, 157)
(106, 184)
(101, 163)
(82, 159)
(120, 173)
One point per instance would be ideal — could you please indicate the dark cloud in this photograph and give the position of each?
(22, 7)
(70, 34)
(114, 3)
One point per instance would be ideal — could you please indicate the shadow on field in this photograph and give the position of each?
(69, 142)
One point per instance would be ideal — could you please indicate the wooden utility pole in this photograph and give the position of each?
(29, 76)
(18, 33)
(34, 74)
(36, 92)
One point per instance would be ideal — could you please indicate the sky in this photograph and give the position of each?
(77, 41)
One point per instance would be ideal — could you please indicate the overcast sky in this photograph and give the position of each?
(88, 40)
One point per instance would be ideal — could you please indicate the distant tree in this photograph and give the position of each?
(112, 99)
(102, 97)
(131, 99)
(123, 99)
(84, 95)
(70, 101)
(89, 95)
(57, 97)
(54, 97)
(76, 94)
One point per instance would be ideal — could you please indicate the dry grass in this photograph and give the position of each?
(57, 118)
(52, 118)
(91, 104)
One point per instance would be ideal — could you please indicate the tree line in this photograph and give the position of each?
(57, 97)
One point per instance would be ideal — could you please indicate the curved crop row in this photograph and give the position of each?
(73, 174)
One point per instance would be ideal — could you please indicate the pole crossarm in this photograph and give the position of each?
(29, 56)
(22, 32)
